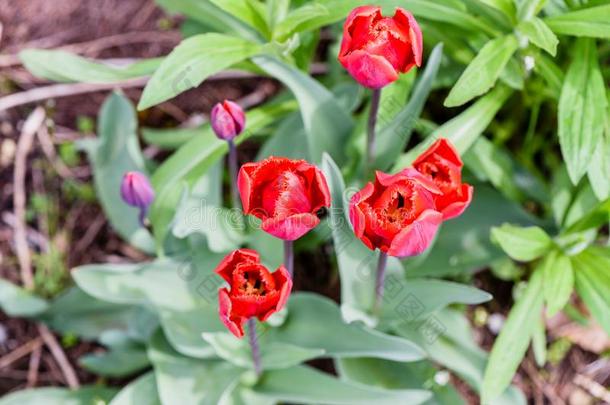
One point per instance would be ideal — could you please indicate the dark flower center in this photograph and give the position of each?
(252, 279)
(397, 205)
(440, 172)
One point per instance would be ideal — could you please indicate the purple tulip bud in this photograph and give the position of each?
(137, 191)
(228, 120)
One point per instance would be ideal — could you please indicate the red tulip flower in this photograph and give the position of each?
(375, 49)
(253, 291)
(441, 163)
(285, 194)
(396, 214)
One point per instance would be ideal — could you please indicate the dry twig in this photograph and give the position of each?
(59, 355)
(33, 367)
(21, 351)
(64, 90)
(34, 121)
(592, 387)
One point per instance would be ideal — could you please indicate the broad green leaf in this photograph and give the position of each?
(327, 123)
(552, 74)
(586, 212)
(115, 152)
(449, 341)
(539, 342)
(558, 281)
(193, 61)
(394, 375)
(463, 244)
(59, 396)
(511, 345)
(582, 109)
(408, 300)
(505, 6)
(483, 72)
(77, 313)
(170, 138)
(163, 211)
(527, 9)
(288, 140)
(593, 283)
(142, 391)
(17, 302)
(183, 328)
(116, 362)
(513, 73)
(223, 227)
(392, 139)
(164, 283)
(494, 164)
(540, 34)
(210, 16)
(66, 67)
(587, 22)
(305, 385)
(315, 322)
(252, 12)
(184, 380)
(464, 129)
(491, 12)
(274, 355)
(522, 244)
(599, 169)
(299, 18)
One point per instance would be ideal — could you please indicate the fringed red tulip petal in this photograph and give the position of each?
(285, 194)
(396, 213)
(375, 49)
(253, 291)
(441, 164)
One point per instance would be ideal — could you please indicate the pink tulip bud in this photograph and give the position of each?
(137, 191)
(228, 120)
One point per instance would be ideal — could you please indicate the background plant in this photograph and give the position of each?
(535, 140)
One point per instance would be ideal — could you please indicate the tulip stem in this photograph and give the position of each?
(289, 257)
(233, 173)
(370, 144)
(380, 281)
(256, 352)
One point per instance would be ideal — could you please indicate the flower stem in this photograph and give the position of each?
(289, 257)
(256, 352)
(379, 282)
(233, 172)
(370, 144)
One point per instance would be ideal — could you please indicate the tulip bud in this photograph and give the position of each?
(137, 191)
(228, 120)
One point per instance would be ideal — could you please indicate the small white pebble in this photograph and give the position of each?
(495, 323)
(529, 62)
(442, 377)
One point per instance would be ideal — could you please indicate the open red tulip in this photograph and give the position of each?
(396, 213)
(375, 49)
(285, 194)
(253, 290)
(442, 164)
